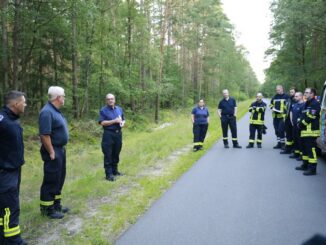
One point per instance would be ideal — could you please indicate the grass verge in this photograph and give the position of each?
(152, 161)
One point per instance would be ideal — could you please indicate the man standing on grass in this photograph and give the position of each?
(53, 130)
(11, 161)
(112, 119)
(227, 111)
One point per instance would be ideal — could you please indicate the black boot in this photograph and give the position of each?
(51, 213)
(294, 156)
(286, 151)
(226, 146)
(278, 146)
(115, 171)
(109, 173)
(250, 145)
(237, 146)
(303, 166)
(258, 145)
(61, 209)
(311, 170)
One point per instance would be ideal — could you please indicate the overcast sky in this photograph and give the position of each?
(251, 19)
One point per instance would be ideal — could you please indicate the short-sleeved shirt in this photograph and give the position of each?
(227, 106)
(296, 110)
(108, 113)
(53, 123)
(200, 115)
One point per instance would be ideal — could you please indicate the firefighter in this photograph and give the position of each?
(310, 126)
(295, 113)
(257, 110)
(288, 125)
(112, 119)
(53, 130)
(227, 111)
(11, 161)
(279, 110)
(200, 121)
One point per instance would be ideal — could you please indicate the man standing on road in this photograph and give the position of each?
(279, 108)
(11, 161)
(294, 117)
(227, 111)
(288, 125)
(309, 125)
(257, 117)
(53, 130)
(112, 119)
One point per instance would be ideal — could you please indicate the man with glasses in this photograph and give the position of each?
(53, 130)
(112, 120)
(309, 125)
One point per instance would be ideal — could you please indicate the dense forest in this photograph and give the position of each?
(152, 54)
(298, 44)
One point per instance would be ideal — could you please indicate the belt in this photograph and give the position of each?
(114, 131)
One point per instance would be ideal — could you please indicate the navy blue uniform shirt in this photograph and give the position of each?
(200, 115)
(108, 113)
(296, 111)
(53, 123)
(227, 106)
(11, 141)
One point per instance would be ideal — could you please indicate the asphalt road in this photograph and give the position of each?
(232, 196)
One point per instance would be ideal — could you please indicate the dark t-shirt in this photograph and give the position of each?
(200, 115)
(227, 106)
(53, 123)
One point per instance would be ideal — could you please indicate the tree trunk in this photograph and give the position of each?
(165, 19)
(74, 61)
(4, 59)
(15, 38)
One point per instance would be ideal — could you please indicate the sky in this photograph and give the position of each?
(251, 19)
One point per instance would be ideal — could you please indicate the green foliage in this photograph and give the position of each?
(118, 51)
(298, 45)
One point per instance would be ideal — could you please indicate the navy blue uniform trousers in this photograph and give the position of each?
(279, 126)
(10, 208)
(54, 176)
(199, 131)
(226, 122)
(111, 148)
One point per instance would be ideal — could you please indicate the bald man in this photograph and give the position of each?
(257, 117)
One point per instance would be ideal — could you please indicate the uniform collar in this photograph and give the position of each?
(111, 107)
(10, 113)
(49, 102)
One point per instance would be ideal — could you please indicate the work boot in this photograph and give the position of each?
(195, 149)
(311, 170)
(110, 178)
(278, 146)
(294, 156)
(51, 213)
(117, 173)
(237, 146)
(258, 145)
(302, 167)
(250, 145)
(226, 146)
(61, 209)
(286, 151)
(283, 147)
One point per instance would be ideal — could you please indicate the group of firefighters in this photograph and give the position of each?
(296, 120)
(54, 135)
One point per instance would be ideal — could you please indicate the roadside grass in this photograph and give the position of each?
(101, 210)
